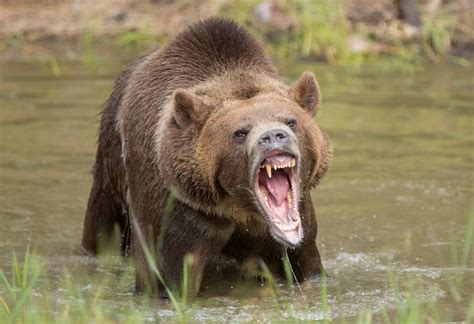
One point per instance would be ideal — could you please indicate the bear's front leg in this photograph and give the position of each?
(189, 239)
(185, 238)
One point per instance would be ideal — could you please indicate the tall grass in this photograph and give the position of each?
(320, 30)
(28, 295)
(18, 290)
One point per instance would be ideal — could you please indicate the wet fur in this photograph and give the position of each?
(144, 158)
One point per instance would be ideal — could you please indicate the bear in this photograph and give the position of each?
(203, 151)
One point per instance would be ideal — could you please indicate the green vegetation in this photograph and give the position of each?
(321, 31)
(301, 30)
(18, 291)
(27, 296)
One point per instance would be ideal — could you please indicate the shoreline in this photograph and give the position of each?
(334, 32)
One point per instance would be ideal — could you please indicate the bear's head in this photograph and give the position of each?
(245, 144)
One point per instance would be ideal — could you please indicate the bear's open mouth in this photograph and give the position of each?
(276, 189)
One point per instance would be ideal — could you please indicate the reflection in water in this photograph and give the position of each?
(395, 204)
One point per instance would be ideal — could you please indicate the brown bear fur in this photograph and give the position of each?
(172, 177)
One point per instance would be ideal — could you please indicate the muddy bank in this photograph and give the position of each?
(328, 30)
(72, 19)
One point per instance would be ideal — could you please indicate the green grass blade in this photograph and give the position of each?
(185, 285)
(26, 267)
(468, 240)
(25, 295)
(16, 270)
(5, 307)
(5, 282)
(324, 297)
(287, 268)
(152, 264)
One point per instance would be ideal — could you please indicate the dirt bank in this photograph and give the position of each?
(69, 19)
(374, 27)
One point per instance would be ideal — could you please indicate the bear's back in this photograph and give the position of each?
(204, 50)
(212, 47)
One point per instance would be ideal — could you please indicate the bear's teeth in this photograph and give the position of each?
(268, 167)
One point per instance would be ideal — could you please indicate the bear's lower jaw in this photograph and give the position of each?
(276, 189)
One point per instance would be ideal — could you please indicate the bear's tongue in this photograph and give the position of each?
(277, 186)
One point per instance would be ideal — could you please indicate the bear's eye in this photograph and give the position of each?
(291, 123)
(240, 134)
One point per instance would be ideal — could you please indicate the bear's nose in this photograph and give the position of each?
(274, 136)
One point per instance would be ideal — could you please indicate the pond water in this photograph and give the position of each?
(393, 212)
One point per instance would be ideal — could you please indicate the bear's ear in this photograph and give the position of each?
(185, 107)
(306, 93)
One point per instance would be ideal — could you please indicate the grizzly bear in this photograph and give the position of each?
(204, 151)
